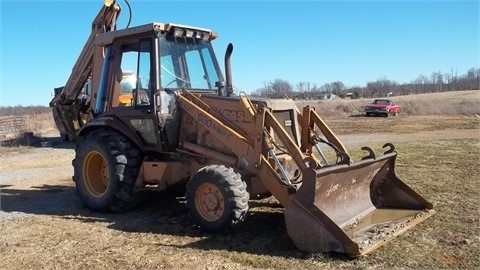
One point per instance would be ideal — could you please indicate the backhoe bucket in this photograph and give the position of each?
(353, 209)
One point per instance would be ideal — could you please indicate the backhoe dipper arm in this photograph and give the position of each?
(105, 21)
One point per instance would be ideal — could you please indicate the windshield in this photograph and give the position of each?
(189, 63)
(381, 102)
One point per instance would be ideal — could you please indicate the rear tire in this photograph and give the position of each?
(106, 166)
(217, 198)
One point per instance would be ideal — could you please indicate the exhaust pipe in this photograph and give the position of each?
(228, 70)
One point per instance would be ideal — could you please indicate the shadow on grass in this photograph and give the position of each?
(262, 233)
(372, 116)
(358, 115)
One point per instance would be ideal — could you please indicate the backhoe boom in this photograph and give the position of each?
(66, 114)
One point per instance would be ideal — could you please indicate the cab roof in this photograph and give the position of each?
(154, 27)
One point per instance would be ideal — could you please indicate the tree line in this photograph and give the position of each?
(24, 110)
(436, 82)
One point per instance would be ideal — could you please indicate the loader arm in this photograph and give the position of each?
(344, 207)
(66, 112)
(308, 120)
(248, 153)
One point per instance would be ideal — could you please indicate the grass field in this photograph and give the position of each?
(338, 112)
(444, 170)
(447, 173)
(445, 103)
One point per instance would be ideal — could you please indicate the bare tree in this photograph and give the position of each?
(338, 88)
(437, 79)
(303, 87)
(436, 82)
(279, 88)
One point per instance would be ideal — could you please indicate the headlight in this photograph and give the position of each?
(189, 33)
(178, 32)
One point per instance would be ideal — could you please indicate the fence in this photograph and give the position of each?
(11, 125)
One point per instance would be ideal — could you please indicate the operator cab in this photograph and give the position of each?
(143, 69)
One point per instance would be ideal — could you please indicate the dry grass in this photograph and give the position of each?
(402, 124)
(27, 130)
(445, 103)
(37, 123)
(445, 172)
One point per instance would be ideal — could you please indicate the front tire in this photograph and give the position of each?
(106, 166)
(217, 198)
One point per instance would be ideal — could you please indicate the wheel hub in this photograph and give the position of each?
(95, 171)
(209, 202)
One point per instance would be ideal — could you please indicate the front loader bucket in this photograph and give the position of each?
(353, 209)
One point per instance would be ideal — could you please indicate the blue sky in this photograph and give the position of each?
(316, 41)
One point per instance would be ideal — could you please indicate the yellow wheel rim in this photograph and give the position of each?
(95, 173)
(209, 202)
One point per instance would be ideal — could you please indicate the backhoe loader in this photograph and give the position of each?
(159, 112)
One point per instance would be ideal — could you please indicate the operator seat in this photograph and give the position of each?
(117, 90)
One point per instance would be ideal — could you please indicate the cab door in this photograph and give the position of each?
(135, 82)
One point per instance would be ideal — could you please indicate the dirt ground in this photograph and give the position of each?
(43, 225)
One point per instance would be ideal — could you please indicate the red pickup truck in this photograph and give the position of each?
(383, 107)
